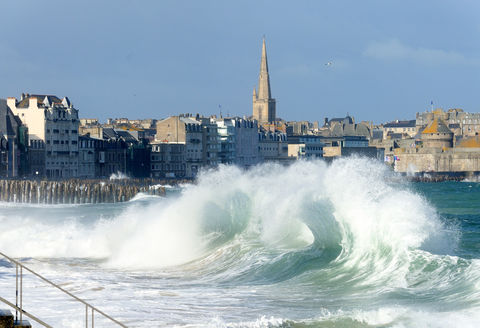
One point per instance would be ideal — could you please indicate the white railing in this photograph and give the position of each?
(18, 306)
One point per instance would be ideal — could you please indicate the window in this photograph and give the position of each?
(55, 142)
(74, 131)
(73, 142)
(55, 131)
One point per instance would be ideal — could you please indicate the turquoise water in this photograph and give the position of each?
(349, 244)
(458, 203)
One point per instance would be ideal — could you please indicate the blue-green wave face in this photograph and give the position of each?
(348, 244)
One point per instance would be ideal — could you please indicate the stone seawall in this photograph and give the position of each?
(444, 176)
(76, 191)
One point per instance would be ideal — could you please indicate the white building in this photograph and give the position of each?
(305, 146)
(53, 124)
(239, 141)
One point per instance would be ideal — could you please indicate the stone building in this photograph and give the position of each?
(297, 128)
(437, 135)
(350, 145)
(436, 152)
(340, 127)
(273, 147)
(100, 158)
(264, 106)
(52, 131)
(210, 141)
(13, 143)
(404, 129)
(87, 157)
(186, 130)
(460, 122)
(167, 160)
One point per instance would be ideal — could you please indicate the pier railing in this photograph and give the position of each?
(90, 310)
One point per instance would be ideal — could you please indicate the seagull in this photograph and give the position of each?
(329, 64)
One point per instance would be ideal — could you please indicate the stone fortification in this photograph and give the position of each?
(450, 161)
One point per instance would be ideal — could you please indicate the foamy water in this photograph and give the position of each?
(347, 244)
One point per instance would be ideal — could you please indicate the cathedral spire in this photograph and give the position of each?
(263, 104)
(264, 79)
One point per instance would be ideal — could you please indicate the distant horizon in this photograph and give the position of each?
(377, 61)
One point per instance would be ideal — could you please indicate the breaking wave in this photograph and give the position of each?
(348, 230)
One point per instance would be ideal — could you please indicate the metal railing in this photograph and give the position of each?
(18, 306)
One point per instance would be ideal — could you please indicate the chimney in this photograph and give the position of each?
(33, 102)
(12, 102)
(22, 97)
(325, 122)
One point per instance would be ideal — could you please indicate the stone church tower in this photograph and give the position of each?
(263, 103)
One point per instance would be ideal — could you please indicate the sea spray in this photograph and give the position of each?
(345, 244)
(350, 201)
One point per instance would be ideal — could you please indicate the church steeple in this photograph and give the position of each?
(263, 104)
(264, 79)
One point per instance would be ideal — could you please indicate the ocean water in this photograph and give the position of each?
(348, 244)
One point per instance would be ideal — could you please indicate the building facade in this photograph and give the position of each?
(167, 160)
(13, 143)
(186, 130)
(273, 147)
(53, 133)
(305, 147)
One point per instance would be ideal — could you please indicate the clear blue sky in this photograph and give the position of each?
(152, 59)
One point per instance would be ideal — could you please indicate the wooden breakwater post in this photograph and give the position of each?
(75, 191)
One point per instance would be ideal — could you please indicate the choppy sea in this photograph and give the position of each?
(348, 244)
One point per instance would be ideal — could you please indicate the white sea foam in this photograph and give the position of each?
(348, 202)
(118, 176)
(254, 249)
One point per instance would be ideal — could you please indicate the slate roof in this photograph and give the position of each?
(401, 124)
(437, 126)
(340, 130)
(40, 98)
(109, 133)
(9, 123)
(346, 119)
(126, 136)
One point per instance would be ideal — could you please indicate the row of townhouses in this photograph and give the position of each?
(42, 136)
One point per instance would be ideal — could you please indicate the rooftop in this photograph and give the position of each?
(25, 101)
(472, 142)
(437, 126)
(401, 124)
